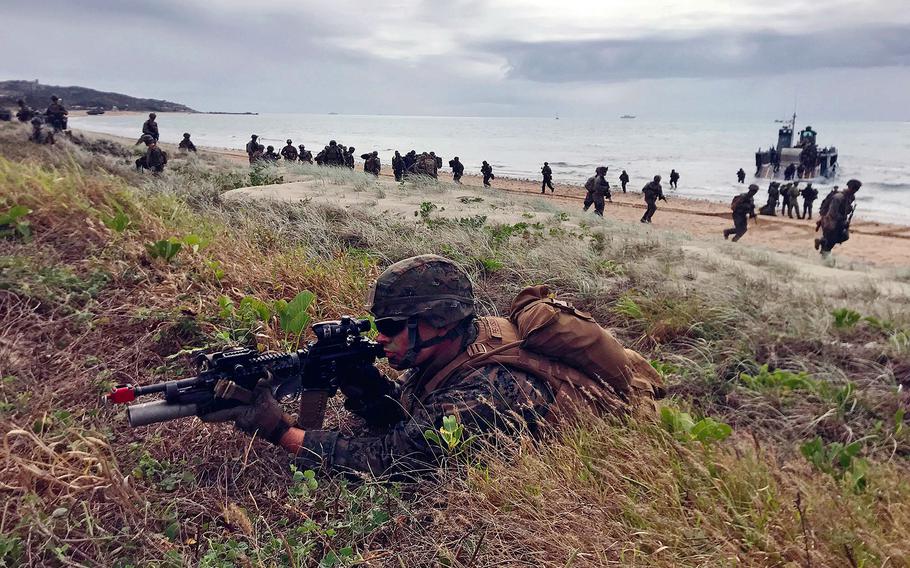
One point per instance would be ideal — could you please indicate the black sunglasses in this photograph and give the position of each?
(390, 327)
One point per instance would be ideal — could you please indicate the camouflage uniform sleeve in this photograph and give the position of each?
(492, 398)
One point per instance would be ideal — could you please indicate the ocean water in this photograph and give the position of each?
(706, 154)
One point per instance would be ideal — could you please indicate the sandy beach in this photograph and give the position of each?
(873, 243)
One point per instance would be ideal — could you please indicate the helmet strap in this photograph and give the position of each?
(415, 344)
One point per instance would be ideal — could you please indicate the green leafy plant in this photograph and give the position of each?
(194, 242)
(426, 208)
(10, 551)
(118, 222)
(706, 431)
(293, 316)
(165, 249)
(490, 265)
(839, 461)
(12, 223)
(304, 483)
(628, 307)
(163, 474)
(778, 380)
(215, 267)
(845, 318)
(252, 308)
(261, 175)
(450, 436)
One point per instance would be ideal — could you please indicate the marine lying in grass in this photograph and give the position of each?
(521, 373)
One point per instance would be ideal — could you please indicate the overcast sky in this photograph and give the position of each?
(671, 60)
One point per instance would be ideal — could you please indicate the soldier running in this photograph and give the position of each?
(835, 214)
(653, 192)
(487, 171)
(457, 169)
(743, 206)
(597, 188)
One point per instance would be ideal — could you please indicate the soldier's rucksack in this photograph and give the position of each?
(589, 185)
(734, 205)
(826, 203)
(582, 362)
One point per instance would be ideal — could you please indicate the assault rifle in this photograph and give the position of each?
(312, 373)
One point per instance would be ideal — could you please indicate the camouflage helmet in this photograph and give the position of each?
(428, 287)
(854, 184)
(753, 188)
(657, 178)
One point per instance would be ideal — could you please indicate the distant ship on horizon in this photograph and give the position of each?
(627, 116)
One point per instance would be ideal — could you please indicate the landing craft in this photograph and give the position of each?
(808, 160)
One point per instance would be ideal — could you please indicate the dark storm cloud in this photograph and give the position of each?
(708, 55)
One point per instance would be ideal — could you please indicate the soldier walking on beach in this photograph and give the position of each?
(349, 157)
(56, 114)
(624, 180)
(770, 208)
(741, 175)
(674, 179)
(743, 206)
(304, 155)
(371, 163)
(487, 171)
(252, 148)
(810, 194)
(784, 198)
(457, 169)
(835, 215)
(397, 166)
(186, 144)
(289, 152)
(547, 178)
(652, 192)
(598, 188)
(793, 201)
(150, 127)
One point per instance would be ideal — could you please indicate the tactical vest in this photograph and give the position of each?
(584, 365)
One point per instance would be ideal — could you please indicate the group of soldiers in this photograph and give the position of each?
(836, 210)
(788, 196)
(597, 191)
(835, 213)
(54, 116)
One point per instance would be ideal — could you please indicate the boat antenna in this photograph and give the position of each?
(793, 121)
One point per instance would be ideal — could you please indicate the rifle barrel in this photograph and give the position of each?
(158, 411)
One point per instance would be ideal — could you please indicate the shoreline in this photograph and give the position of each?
(873, 242)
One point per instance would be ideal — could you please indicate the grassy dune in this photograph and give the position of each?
(810, 369)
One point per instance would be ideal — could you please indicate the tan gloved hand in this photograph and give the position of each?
(262, 414)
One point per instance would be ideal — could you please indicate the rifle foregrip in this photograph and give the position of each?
(158, 411)
(312, 409)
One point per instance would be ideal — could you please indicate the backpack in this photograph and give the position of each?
(826, 203)
(589, 185)
(582, 362)
(734, 205)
